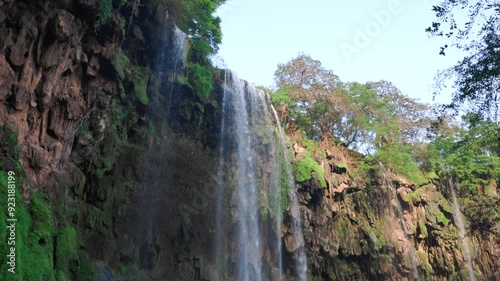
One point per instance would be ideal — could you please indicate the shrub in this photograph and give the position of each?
(105, 8)
(66, 248)
(303, 168)
(139, 77)
(199, 79)
(120, 62)
(399, 158)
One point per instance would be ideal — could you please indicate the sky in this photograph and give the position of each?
(365, 40)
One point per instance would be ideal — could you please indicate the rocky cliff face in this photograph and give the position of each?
(137, 181)
(355, 226)
(87, 105)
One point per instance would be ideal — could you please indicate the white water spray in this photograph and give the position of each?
(298, 236)
(459, 221)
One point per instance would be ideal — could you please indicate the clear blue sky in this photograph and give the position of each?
(359, 40)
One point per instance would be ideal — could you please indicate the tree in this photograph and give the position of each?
(471, 154)
(413, 118)
(477, 76)
(303, 72)
(311, 93)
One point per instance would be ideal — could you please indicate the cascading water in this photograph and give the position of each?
(168, 64)
(458, 217)
(220, 188)
(179, 43)
(249, 264)
(300, 259)
(399, 213)
(275, 188)
(169, 61)
(252, 159)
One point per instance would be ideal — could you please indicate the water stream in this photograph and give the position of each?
(459, 221)
(300, 259)
(402, 221)
(219, 232)
(237, 127)
(169, 61)
(275, 186)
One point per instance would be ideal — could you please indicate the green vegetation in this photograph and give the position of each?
(470, 154)
(388, 127)
(475, 77)
(139, 78)
(303, 168)
(105, 8)
(373, 117)
(483, 213)
(199, 78)
(398, 157)
(38, 258)
(196, 18)
(284, 177)
(66, 249)
(120, 61)
(34, 244)
(414, 196)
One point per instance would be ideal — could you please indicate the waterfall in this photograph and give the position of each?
(169, 61)
(300, 259)
(275, 196)
(459, 221)
(253, 170)
(220, 188)
(236, 126)
(402, 221)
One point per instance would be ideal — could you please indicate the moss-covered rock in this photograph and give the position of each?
(304, 167)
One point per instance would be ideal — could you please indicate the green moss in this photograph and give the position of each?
(444, 205)
(376, 237)
(61, 276)
(199, 79)
(85, 270)
(105, 8)
(98, 220)
(120, 62)
(284, 180)
(342, 165)
(303, 168)
(432, 175)
(441, 218)
(264, 212)
(41, 214)
(136, 30)
(311, 146)
(181, 78)
(140, 78)
(423, 229)
(450, 232)
(33, 244)
(122, 26)
(66, 248)
(415, 196)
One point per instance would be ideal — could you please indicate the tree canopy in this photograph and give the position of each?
(377, 119)
(477, 76)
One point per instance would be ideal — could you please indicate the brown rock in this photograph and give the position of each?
(66, 27)
(24, 42)
(52, 55)
(38, 157)
(93, 66)
(7, 78)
